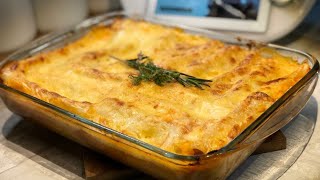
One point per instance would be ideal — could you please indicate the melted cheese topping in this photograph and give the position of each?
(81, 78)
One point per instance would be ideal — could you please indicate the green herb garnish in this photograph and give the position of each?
(150, 72)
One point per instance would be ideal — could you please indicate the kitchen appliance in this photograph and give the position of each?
(276, 21)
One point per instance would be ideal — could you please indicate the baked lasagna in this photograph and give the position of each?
(82, 78)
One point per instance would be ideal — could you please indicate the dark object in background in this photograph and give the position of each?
(275, 142)
(235, 9)
(99, 167)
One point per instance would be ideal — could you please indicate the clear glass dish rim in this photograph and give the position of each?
(47, 40)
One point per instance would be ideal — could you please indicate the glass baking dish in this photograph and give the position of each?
(140, 155)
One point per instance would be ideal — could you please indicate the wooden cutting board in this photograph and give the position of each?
(99, 167)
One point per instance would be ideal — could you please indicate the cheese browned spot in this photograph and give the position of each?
(81, 78)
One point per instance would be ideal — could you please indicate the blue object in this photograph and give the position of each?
(183, 7)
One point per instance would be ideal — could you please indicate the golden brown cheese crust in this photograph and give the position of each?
(81, 78)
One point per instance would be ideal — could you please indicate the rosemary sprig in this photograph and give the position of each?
(150, 72)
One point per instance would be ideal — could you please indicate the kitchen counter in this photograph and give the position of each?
(27, 151)
(307, 38)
